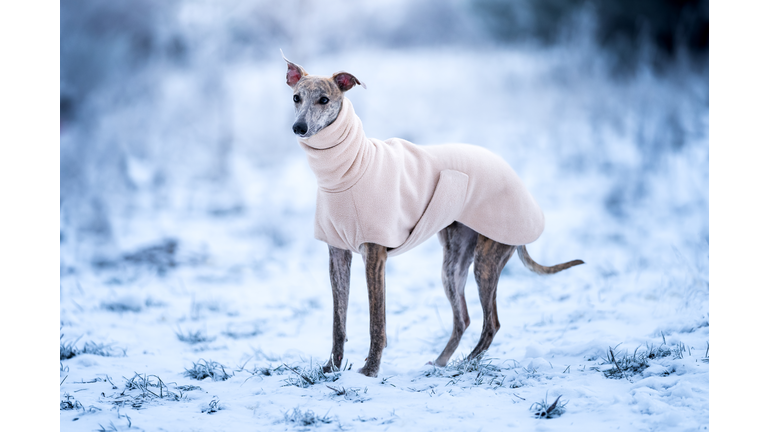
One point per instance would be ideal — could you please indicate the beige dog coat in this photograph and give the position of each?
(398, 194)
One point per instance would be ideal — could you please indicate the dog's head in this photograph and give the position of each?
(317, 100)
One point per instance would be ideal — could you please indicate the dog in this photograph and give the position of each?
(381, 198)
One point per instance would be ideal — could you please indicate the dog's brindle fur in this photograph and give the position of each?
(317, 103)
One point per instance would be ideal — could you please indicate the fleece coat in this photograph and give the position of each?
(398, 194)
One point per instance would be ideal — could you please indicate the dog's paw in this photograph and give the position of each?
(368, 372)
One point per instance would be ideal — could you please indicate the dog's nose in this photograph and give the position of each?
(300, 128)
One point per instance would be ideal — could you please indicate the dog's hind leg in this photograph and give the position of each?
(340, 263)
(459, 243)
(490, 258)
(375, 257)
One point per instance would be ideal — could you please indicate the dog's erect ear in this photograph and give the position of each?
(346, 81)
(295, 72)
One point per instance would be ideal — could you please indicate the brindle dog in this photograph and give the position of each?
(317, 101)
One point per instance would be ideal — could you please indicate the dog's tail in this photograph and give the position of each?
(540, 269)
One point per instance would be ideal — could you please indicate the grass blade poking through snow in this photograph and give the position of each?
(69, 349)
(205, 369)
(475, 371)
(194, 338)
(625, 365)
(142, 389)
(544, 410)
(307, 418)
(213, 406)
(68, 402)
(312, 375)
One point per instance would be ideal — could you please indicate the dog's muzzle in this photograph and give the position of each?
(300, 128)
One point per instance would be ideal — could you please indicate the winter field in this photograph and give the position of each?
(193, 296)
(211, 307)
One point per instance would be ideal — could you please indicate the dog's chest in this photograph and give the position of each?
(383, 207)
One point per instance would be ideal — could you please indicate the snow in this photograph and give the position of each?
(621, 170)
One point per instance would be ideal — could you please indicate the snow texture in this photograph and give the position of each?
(194, 297)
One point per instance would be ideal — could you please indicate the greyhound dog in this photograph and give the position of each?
(318, 102)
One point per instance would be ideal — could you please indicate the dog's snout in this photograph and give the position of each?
(300, 128)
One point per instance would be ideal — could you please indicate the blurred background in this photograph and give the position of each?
(176, 119)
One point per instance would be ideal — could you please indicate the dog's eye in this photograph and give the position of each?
(323, 100)
(296, 98)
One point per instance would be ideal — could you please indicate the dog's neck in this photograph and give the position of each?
(339, 153)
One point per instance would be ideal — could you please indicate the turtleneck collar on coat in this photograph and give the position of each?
(340, 153)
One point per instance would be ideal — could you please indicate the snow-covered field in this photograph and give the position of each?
(223, 268)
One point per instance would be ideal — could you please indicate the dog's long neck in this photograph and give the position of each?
(339, 153)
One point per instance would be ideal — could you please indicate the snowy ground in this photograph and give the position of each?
(620, 170)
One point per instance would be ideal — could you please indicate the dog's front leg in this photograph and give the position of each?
(340, 264)
(375, 257)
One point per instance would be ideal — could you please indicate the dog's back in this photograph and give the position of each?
(382, 192)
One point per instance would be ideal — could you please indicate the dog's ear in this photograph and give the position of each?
(346, 81)
(295, 72)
